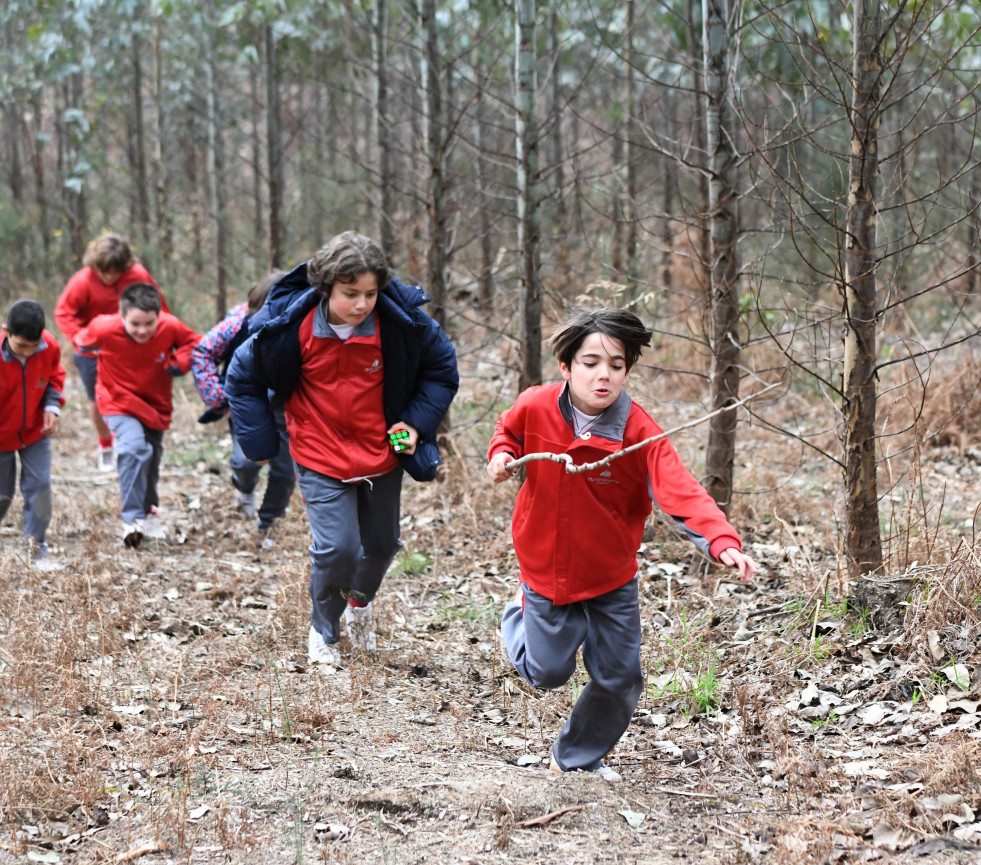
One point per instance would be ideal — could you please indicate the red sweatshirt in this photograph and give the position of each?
(86, 296)
(26, 390)
(577, 535)
(133, 379)
(335, 417)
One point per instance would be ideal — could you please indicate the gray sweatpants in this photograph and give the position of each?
(542, 641)
(281, 480)
(139, 451)
(35, 485)
(355, 531)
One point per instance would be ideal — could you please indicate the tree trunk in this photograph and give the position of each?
(863, 544)
(701, 252)
(12, 120)
(40, 191)
(216, 148)
(436, 153)
(274, 150)
(526, 142)
(558, 159)
(141, 187)
(258, 174)
(164, 227)
(482, 171)
(630, 155)
(724, 265)
(383, 143)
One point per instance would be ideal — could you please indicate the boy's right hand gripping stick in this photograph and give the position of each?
(398, 441)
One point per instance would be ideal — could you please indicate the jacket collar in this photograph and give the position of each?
(610, 425)
(8, 355)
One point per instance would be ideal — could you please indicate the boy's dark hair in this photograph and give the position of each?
(619, 324)
(259, 291)
(139, 295)
(25, 319)
(344, 259)
(109, 253)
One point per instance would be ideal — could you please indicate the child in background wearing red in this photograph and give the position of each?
(31, 384)
(139, 350)
(95, 290)
(576, 535)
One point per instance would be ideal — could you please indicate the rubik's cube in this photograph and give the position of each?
(399, 440)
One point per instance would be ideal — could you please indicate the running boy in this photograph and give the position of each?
(109, 267)
(139, 350)
(209, 365)
(576, 535)
(350, 353)
(31, 384)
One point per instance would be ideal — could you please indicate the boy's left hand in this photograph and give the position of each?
(49, 423)
(736, 558)
(408, 446)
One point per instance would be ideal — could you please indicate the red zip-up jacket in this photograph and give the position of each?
(577, 535)
(335, 416)
(26, 390)
(133, 379)
(86, 296)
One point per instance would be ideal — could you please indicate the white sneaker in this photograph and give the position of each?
(245, 504)
(133, 533)
(604, 771)
(360, 627)
(106, 459)
(319, 652)
(153, 528)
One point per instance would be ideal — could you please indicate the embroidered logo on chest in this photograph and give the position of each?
(603, 478)
(376, 366)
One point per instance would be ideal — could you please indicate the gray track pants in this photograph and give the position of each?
(542, 641)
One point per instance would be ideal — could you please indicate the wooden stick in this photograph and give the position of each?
(588, 467)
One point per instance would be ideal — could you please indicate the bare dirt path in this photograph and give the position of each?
(158, 707)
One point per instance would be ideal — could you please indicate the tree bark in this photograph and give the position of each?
(863, 544)
(216, 148)
(383, 142)
(164, 223)
(436, 153)
(274, 149)
(529, 232)
(724, 264)
(141, 187)
(12, 120)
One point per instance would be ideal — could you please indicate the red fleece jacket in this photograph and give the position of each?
(136, 379)
(577, 535)
(26, 390)
(86, 296)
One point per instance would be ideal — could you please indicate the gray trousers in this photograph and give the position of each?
(35, 485)
(542, 641)
(139, 451)
(282, 474)
(355, 531)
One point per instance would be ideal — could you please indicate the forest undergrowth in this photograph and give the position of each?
(158, 706)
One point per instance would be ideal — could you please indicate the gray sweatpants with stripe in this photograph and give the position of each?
(542, 640)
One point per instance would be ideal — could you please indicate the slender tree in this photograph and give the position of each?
(529, 231)
(724, 264)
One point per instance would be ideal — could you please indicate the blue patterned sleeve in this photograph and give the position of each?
(210, 352)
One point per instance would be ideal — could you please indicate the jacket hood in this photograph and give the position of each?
(293, 296)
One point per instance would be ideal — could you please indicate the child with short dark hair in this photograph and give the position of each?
(576, 535)
(140, 350)
(31, 384)
(108, 267)
(209, 365)
(349, 352)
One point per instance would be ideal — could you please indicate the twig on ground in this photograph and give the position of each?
(545, 819)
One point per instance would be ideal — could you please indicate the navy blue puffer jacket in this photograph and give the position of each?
(421, 377)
